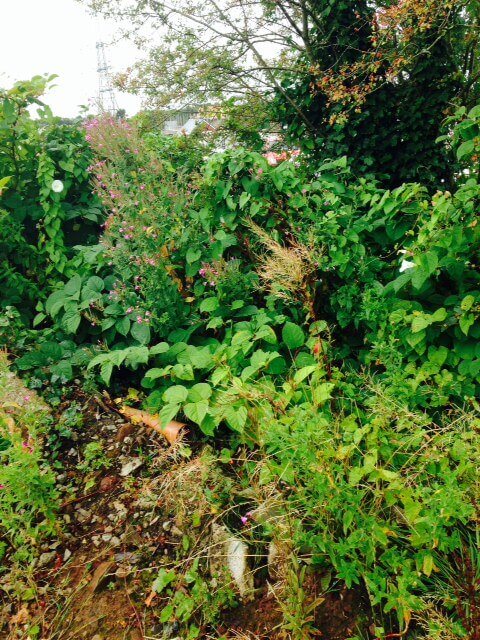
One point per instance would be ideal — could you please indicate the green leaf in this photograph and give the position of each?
(163, 579)
(122, 325)
(419, 323)
(466, 148)
(55, 302)
(176, 394)
(208, 305)
(219, 374)
(135, 356)
(161, 347)
(106, 370)
(244, 198)
(39, 318)
(428, 564)
(196, 411)
(467, 303)
(168, 413)
(439, 315)
(355, 475)
(95, 284)
(73, 286)
(236, 417)
(322, 393)
(107, 323)
(293, 336)
(466, 322)
(71, 321)
(199, 392)
(303, 373)
(140, 332)
(193, 255)
(208, 425)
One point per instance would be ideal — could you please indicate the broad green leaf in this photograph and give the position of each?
(322, 393)
(467, 303)
(55, 302)
(236, 417)
(122, 325)
(95, 284)
(71, 321)
(161, 347)
(419, 323)
(208, 305)
(439, 315)
(303, 373)
(73, 286)
(176, 394)
(196, 411)
(292, 335)
(163, 579)
(106, 370)
(140, 332)
(466, 322)
(199, 392)
(193, 255)
(168, 413)
(39, 318)
(465, 149)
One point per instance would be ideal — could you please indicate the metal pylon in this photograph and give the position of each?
(106, 95)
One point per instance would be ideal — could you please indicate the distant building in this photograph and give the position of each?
(183, 121)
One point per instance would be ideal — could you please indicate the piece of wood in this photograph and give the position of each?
(170, 432)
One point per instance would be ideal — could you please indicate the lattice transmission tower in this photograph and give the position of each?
(107, 102)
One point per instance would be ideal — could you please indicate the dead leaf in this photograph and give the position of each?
(21, 617)
(170, 432)
(149, 600)
(99, 573)
(10, 422)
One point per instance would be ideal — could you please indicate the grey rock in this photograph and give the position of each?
(131, 466)
(228, 557)
(46, 558)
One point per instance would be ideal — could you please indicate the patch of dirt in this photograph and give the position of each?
(260, 618)
(93, 582)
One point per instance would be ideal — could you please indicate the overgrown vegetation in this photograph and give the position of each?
(314, 320)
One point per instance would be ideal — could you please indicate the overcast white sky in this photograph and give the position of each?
(59, 36)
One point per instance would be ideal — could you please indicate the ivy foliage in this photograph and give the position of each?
(377, 83)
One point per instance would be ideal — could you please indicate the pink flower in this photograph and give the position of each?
(244, 520)
(271, 158)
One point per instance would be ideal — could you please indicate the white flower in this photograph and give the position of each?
(406, 264)
(57, 186)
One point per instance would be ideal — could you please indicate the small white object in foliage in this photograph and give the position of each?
(57, 186)
(406, 264)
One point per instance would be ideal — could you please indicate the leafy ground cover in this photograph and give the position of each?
(306, 341)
